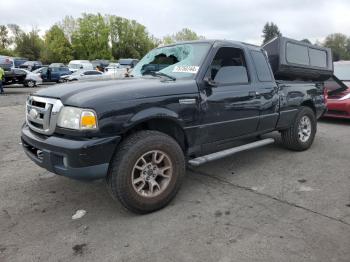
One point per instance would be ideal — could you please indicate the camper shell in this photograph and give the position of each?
(297, 60)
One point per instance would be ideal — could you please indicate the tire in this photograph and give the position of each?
(30, 83)
(127, 167)
(301, 139)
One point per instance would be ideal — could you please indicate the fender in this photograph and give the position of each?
(153, 113)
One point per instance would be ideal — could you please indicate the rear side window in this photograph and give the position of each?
(297, 54)
(261, 66)
(318, 57)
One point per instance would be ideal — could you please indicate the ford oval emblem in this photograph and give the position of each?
(33, 113)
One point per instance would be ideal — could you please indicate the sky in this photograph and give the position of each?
(240, 20)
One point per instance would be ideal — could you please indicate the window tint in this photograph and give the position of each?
(318, 57)
(228, 67)
(297, 54)
(261, 66)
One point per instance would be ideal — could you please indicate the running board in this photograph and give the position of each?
(221, 154)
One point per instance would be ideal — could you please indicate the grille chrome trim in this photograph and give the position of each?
(47, 114)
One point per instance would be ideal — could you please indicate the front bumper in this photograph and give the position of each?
(86, 159)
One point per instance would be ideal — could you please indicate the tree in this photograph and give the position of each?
(91, 39)
(29, 45)
(185, 34)
(57, 47)
(270, 31)
(5, 40)
(68, 25)
(129, 38)
(340, 45)
(305, 40)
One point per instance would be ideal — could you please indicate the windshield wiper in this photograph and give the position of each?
(164, 74)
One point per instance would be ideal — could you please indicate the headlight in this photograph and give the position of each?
(77, 118)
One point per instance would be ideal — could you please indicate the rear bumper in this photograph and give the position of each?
(79, 159)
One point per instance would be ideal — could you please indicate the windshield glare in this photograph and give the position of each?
(342, 71)
(180, 61)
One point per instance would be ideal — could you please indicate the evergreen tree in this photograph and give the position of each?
(270, 31)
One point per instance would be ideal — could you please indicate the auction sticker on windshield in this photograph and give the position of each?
(186, 69)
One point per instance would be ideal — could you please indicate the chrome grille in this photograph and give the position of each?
(42, 114)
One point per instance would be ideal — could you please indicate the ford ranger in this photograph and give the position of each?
(183, 104)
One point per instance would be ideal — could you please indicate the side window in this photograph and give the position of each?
(228, 67)
(318, 57)
(261, 66)
(297, 54)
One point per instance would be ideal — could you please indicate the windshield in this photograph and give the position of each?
(342, 71)
(180, 61)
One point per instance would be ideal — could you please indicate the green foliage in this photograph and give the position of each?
(129, 39)
(184, 35)
(270, 31)
(5, 39)
(56, 47)
(7, 52)
(29, 45)
(91, 39)
(340, 45)
(68, 25)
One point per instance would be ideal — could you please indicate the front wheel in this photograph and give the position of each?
(301, 134)
(146, 171)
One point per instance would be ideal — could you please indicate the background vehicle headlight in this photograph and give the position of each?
(77, 118)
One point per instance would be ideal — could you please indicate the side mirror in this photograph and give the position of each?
(82, 74)
(210, 82)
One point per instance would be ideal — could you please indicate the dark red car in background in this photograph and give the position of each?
(338, 91)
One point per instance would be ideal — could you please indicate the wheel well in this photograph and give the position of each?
(166, 126)
(310, 104)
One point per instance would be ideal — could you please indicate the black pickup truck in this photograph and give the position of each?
(210, 99)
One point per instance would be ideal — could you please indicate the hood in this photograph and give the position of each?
(86, 94)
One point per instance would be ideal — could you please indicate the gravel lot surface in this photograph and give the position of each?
(268, 204)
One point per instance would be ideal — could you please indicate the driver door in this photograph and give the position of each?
(230, 108)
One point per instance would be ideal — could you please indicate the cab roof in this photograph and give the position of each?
(218, 41)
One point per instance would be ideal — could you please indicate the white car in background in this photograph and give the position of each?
(76, 65)
(83, 75)
(32, 79)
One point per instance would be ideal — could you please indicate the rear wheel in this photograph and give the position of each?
(301, 134)
(146, 171)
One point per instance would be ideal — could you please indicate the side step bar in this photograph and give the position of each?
(221, 154)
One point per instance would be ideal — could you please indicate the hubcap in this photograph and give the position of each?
(152, 173)
(304, 129)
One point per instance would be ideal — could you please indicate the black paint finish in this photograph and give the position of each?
(219, 117)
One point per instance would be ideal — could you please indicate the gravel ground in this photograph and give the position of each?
(268, 204)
